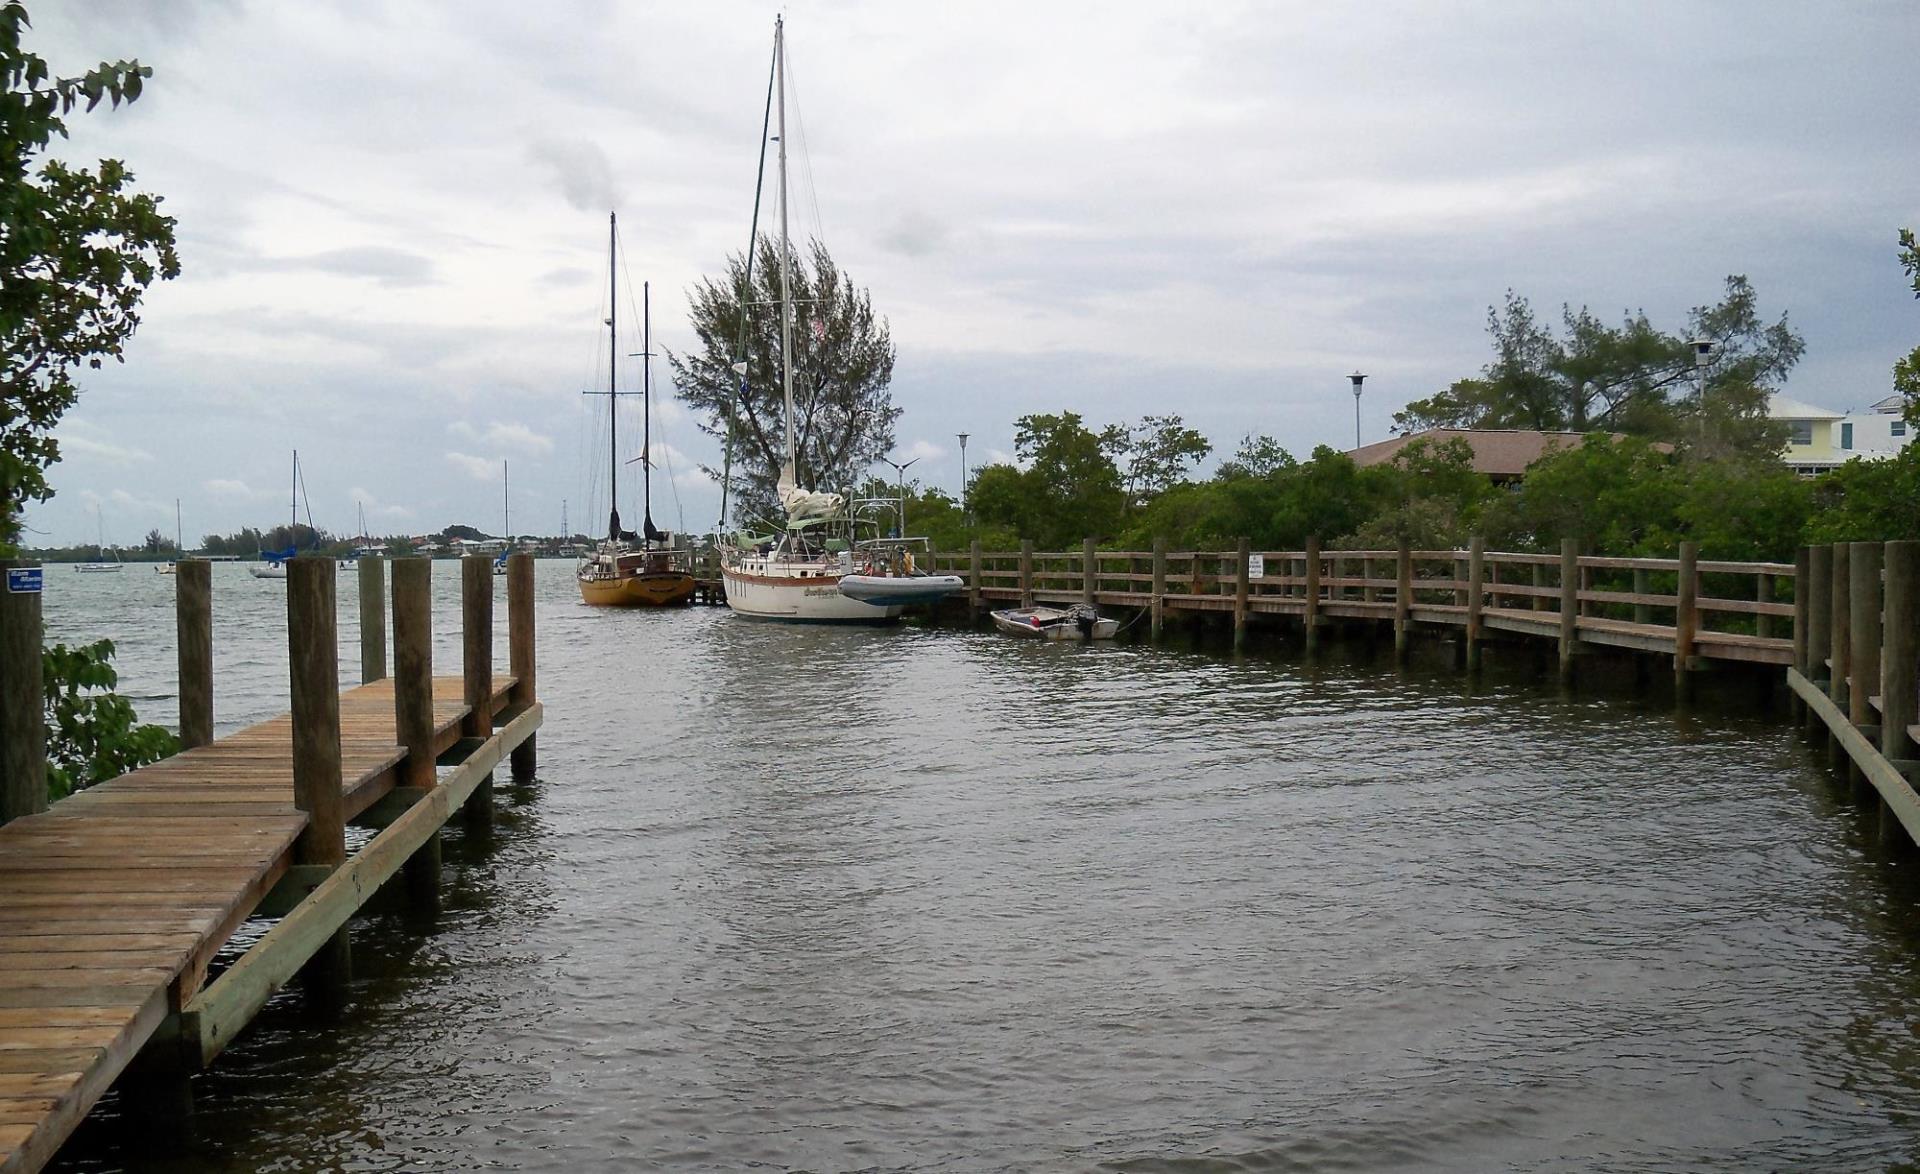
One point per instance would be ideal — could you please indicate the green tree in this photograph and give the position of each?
(1071, 489)
(78, 249)
(1158, 452)
(1906, 372)
(842, 365)
(92, 733)
(1428, 496)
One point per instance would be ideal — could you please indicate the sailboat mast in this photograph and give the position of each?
(613, 398)
(506, 505)
(293, 504)
(786, 293)
(646, 407)
(177, 536)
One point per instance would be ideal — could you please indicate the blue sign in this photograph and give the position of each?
(23, 580)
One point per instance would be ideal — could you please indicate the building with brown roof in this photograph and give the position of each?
(1503, 454)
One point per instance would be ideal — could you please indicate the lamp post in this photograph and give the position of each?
(1358, 379)
(963, 480)
(1702, 356)
(902, 471)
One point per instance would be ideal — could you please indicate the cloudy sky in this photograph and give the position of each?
(392, 219)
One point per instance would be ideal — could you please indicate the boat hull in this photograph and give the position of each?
(276, 571)
(900, 590)
(814, 599)
(649, 589)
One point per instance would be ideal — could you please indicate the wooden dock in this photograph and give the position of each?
(114, 903)
(1694, 610)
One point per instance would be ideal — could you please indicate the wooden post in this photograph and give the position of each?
(1539, 580)
(1802, 571)
(1863, 647)
(23, 719)
(1459, 576)
(1840, 645)
(1026, 572)
(1312, 613)
(973, 581)
(1900, 651)
(1476, 587)
(520, 657)
(1686, 617)
(193, 628)
(1403, 601)
(1089, 572)
(413, 709)
(1242, 563)
(1569, 605)
(1763, 593)
(1642, 585)
(373, 619)
(313, 649)
(1818, 587)
(476, 647)
(1159, 585)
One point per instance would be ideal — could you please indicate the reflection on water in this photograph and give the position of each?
(832, 899)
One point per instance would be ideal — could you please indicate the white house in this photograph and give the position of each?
(1820, 439)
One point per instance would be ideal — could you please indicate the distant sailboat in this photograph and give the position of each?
(506, 523)
(100, 565)
(166, 568)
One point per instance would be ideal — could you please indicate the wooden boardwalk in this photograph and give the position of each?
(114, 902)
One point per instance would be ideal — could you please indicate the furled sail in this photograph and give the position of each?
(801, 504)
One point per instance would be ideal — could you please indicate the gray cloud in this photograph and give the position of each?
(583, 171)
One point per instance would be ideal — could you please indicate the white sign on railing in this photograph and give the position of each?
(1256, 566)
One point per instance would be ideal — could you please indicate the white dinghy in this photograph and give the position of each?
(1078, 622)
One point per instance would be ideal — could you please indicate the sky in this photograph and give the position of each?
(393, 221)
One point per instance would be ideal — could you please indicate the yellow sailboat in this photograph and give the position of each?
(628, 569)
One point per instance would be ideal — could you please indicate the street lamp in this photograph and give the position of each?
(1702, 356)
(1358, 379)
(963, 479)
(902, 471)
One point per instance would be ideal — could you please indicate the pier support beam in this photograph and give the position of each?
(1840, 645)
(413, 710)
(23, 722)
(1899, 668)
(1243, 560)
(1569, 606)
(1403, 601)
(373, 619)
(314, 677)
(1686, 619)
(1863, 637)
(973, 582)
(1159, 620)
(520, 656)
(1476, 594)
(193, 629)
(1312, 612)
(1819, 588)
(1802, 571)
(476, 648)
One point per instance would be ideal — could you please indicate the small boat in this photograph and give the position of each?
(167, 568)
(1078, 622)
(899, 590)
(273, 563)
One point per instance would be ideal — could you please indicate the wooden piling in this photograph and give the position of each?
(1763, 594)
(193, 630)
(1686, 618)
(520, 657)
(1569, 605)
(413, 710)
(1818, 586)
(1900, 652)
(1402, 601)
(973, 581)
(1089, 572)
(1802, 571)
(1840, 645)
(373, 619)
(1642, 585)
(23, 724)
(1026, 572)
(1242, 563)
(1863, 636)
(1476, 594)
(1159, 585)
(1312, 612)
(314, 676)
(476, 649)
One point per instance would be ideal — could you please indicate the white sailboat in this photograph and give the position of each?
(166, 568)
(795, 575)
(100, 565)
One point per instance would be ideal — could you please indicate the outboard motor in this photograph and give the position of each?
(1085, 617)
